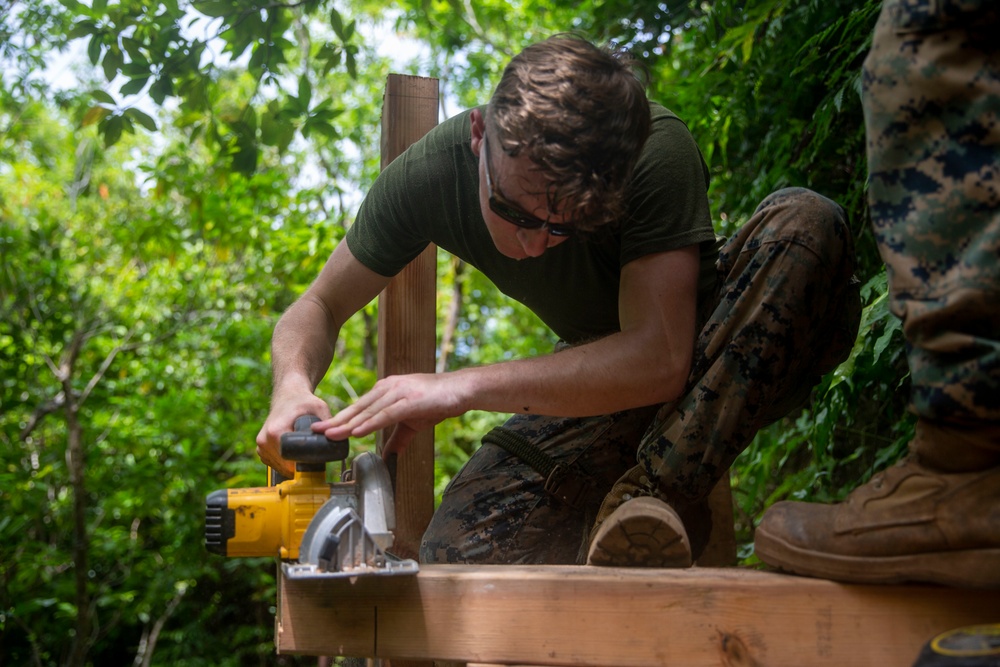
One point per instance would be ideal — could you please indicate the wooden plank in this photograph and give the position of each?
(406, 313)
(578, 615)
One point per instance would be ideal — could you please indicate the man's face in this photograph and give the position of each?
(520, 189)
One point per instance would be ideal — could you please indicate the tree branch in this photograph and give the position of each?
(43, 410)
(108, 360)
(144, 654)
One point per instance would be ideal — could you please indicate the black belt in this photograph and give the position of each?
(566, 482)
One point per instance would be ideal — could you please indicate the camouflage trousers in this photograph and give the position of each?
(932, 113)
(786, 312)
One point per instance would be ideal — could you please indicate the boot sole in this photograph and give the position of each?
(643, 532)
(971, 568)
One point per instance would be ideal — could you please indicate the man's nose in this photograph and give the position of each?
(534, 241)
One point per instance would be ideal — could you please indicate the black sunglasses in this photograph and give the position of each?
(512, 213)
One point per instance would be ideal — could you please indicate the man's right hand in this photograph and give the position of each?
(281, 419)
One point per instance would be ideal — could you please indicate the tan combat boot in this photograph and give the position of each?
(635, 527)
(908, 523)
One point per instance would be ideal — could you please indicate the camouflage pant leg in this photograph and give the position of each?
(788, 312)
(496, 510)
(932, 112)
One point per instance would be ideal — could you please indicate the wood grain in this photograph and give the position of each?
(570, 615)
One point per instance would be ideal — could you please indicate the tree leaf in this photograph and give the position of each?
(134, 86)
(161, 88)
(82, 29)
(111, 128)
(94, 48)
(352, 66)
(337, 23)
(95, 114)
(102, 96)
(142, 118)
(305, 91)
(215, 8)
(329, 55)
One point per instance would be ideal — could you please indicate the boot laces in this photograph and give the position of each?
(643, 488)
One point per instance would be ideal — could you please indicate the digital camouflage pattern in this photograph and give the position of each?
(932, 100)
(787, 311)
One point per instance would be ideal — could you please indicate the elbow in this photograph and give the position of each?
(671, 385)
(655, 368)
(669, 378)
(320, 309)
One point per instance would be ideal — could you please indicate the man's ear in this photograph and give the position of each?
(478, 131)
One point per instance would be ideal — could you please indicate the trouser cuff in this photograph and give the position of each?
(952, 447)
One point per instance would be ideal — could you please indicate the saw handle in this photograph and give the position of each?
(308, 448)
(310, 451)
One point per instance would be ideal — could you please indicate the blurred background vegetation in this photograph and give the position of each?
(172, 176)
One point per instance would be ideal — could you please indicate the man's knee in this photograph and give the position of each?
(808, 218)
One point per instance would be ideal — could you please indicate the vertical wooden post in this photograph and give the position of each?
(406, 313)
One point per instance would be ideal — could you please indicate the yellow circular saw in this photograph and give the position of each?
(317, 528)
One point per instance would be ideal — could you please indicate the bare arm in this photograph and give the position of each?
(647, 362)
(303, 343)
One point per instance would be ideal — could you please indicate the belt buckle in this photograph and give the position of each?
(567, 485)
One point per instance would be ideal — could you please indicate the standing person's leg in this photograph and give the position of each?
(932, 112)
(788, 312)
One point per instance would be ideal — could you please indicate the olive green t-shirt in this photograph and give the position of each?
(430, 194)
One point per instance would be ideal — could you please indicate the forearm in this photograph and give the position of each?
(302, 346)
(619, 372)
(645, 363)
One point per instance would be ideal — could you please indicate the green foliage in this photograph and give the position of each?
(176, 52)
(146, 318)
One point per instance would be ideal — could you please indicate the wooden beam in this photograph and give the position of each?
(406, 312)
(578, 615)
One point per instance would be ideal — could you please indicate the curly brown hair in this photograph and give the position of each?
(580, 113)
